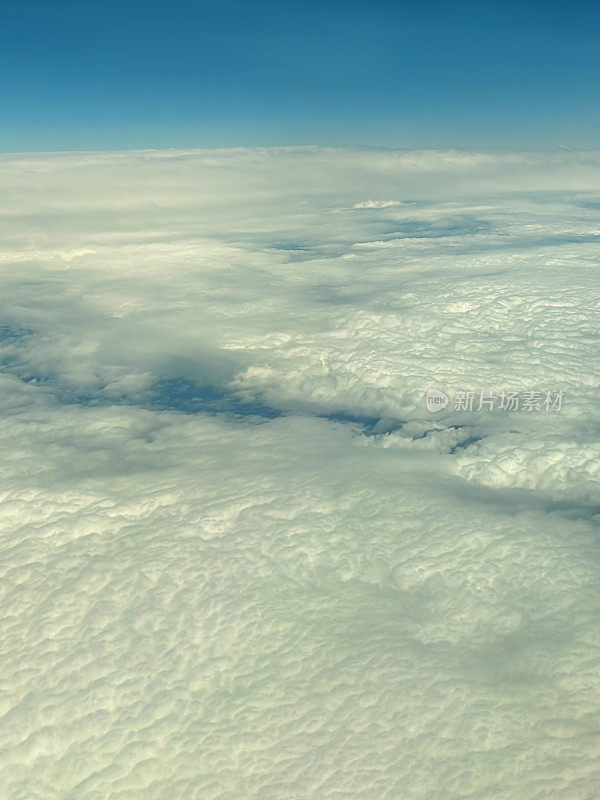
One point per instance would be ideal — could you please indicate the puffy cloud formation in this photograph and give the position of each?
(240, 558)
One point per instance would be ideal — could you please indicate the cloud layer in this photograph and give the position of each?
(240, 559)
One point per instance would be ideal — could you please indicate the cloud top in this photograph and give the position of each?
(241, 558)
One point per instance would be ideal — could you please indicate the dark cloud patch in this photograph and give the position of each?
(11, 334)
(370, 426)
(517, 501)
(168, 394)
(467, 442)
(189, 397)
(440, 229)
(509, 243)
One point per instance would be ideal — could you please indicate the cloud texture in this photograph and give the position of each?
(240, 559)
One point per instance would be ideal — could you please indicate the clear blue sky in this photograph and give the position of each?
(113, 74)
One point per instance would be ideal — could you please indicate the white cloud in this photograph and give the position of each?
(240, 558)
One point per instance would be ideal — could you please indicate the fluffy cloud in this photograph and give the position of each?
(240, 557)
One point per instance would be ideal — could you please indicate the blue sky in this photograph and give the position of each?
(129, 74)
